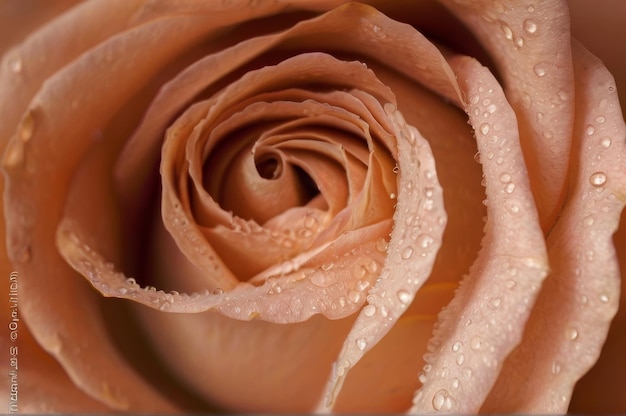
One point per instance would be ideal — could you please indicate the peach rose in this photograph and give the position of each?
(308, 206)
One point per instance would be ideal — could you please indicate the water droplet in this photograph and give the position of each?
(476, 343)
(354, 296)
(605, 142)
(590, 130)
(530, 26)
(165, 306)
(122, 291)
(407, 253)
(310, 222)
(421, 377)
(600, 119)
(505, 178)
(460, 359)
(362, 285)
(513, 208)
(456, 383)
(509, 188)
(519, 41)
(404, 296)
(556, 367)
(539, 116)
(441, 400)
(531, 9)
(456, 346)
(506, 29)
(381, 245)
(361, 344)
(484, 128)
(604, 298)
(495, 302)
(369, 310)
(131, 281)
(588, 220)
(540, 70)
(372, 266)
(572, 334)
(597, 179)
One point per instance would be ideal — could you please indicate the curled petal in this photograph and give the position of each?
(38, 177)
(485, 320)
(581, 296)
(419, 221)
(530, 44)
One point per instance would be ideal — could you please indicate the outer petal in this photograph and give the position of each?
(38, 176)
(485, 320)
(581, 296)
(530, 44)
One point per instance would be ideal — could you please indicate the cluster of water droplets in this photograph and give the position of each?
(518, 36)
(103, 276)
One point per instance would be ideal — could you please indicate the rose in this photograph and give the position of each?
(482, 346)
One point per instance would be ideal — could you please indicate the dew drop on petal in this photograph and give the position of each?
(484, 128)
(506, 29)
(372, 266)
(369, 310)
(407, 253)
(404, 296)
(456, 346)
(590, 130)
(361, 344)
(605, 142)
(540, 70)
(354, 296)
(509, 188)
(597, 179)
(456, 383)
(572, 333)
(460, 359)
(441, 400)
(530, 26)
(476, 343)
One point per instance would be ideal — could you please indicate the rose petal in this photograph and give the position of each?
(419, 222)
(581, 295)
(46, 128)
(485, 320)
(299, 278)
(530, 44)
